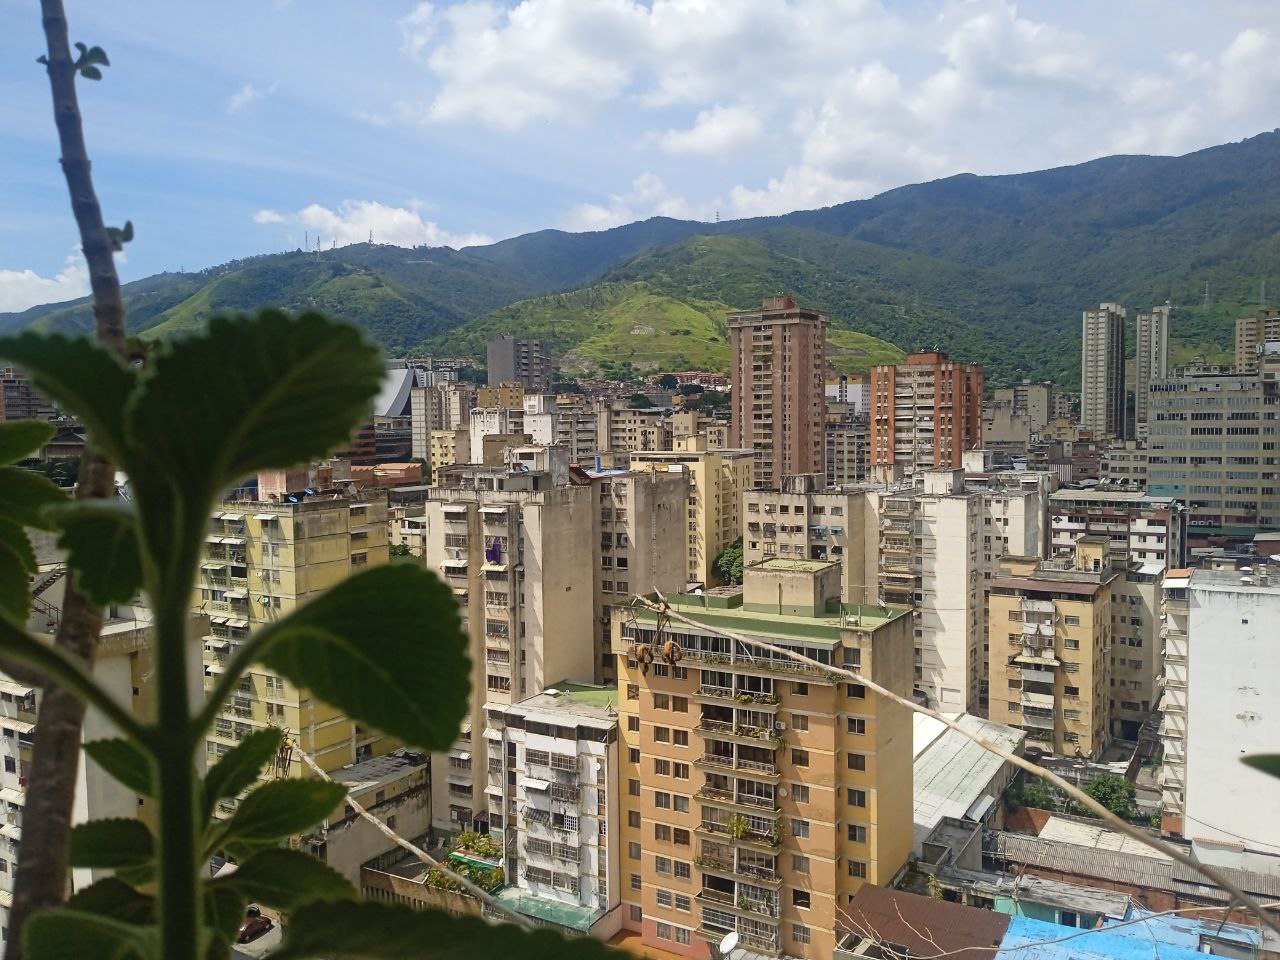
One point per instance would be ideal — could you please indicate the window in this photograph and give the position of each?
(664, 899)
(801, 899)
(800, 792)
(799, 863)
(681, 836)
(633, 722)
(680, 737)
(1071, 621)
(1071, 644)
(662, 734)
(800, 721)
(799, 933)
(661, 701)
(683, 936)
(633, 818)
(664, 931)
(855, 690)
(799, 828)
(682, 771)
(662, 800)
(800, 689)
(855, 797)
(681, 804)
(662, 768)
(633, 788)
(857, 725)
(636, 882)
(637, 913)
(633, 754)
(856, 761)
(683, 903)
(857, 833)
(661, 864)
(680, 704)
(633, 691)
(800, 758)
(633, 850)
(682, 870)
(857, 869)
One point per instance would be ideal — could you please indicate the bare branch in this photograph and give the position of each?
(51, 783)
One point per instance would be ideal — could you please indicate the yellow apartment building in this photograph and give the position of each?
(1050, 647)
(759, 794)
(717, 480)
(265, 555)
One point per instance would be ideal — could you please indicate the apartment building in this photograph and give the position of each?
(622, 428)
(269, 551)
(1032, 402)
(717, 479)
(941, 540)
(641, 531)
(1175, 615)
(778, 369)
(522, 361)
(1151, 358)
(449, 447)
(854, 391)
(19, 399)
(1138, 526)
(1102, 382)
(1124, 463)
(572, 426)
(511, 544)
(509, 395)
(443, 405)
(1252, 333)
(553, 765)
(1231, 809)
(760, 794)
(1050, 643)
(1212, 444)
(804, 521)
(848, 441)
(926, 412)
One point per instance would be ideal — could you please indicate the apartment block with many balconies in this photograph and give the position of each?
(760, 793)
(1175, 614)
(926, 412)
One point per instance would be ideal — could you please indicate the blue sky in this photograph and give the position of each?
(233, 128)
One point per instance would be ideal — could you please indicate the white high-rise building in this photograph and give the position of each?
(1102, 391)
(1152, 358)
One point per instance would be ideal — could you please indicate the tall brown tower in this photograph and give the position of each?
(778, 378)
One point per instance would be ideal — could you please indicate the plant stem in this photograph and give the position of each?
(51, 783)
(179, 905)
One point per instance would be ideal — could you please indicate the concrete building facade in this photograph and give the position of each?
(1142, 527)
(761, 794)
(522, 361)
(778, 372)
(926, 412)
(1151, 359)
(1252, 334)
(1102, 381)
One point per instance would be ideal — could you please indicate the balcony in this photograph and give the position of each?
(751, 838)
(741, 733)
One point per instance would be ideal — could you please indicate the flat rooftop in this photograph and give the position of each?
(823, 628)
(370, 774)
(796, 565)
(570, 915)
(1115, 496)
(1235, 580)
(579, 701)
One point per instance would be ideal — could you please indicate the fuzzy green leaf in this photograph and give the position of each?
(277, 810)
(125, 762)
(111, 843)
(1268, 763)
(83, 378)
(113, 897)
(15, 538)
(20, 439)
(91, 73)
(241, 766)
(66, 934)
(24, 495)
(101, 540)
(223, 913)
(286, 879)
(91, 56)
(15, 597)
(344, 930)
(385, 647)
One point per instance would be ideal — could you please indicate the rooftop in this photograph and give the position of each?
(794, 565)
(1245, 579)
(924, 926)
(1113, 496)
(370, 774)
(570, 915)
(952, 774)
(1086, 834)
(1028, 939)
(578, 700)
(824, 628)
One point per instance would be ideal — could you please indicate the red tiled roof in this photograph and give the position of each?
(926, 927)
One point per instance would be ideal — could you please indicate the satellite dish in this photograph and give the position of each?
(729, 943)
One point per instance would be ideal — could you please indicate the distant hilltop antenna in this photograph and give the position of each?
(371, 238)
(717, 216)
(306, 239)
(1206, 293)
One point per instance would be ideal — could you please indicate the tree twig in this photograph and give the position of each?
(51, 782)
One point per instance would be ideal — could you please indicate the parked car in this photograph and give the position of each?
(254, 925)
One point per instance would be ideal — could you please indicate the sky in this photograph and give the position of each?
(228, 129)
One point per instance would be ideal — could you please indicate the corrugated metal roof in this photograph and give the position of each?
(1046, 585)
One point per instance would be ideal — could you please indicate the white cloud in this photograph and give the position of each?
(355, 220)
(418, 29)
(248, 94)
(716, 132)
(20, 289)
(648, 197)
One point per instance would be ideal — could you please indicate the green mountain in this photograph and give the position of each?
(993, 269)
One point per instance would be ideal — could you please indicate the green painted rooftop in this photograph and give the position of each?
(826, 627)
(570, 915)
(586, 693)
